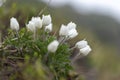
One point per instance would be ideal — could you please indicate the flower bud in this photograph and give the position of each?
(63, 30)
(81, 44)
(46, 20)
(85, 50)
(52, 47)
(72, 33)
(14, 25)
(71, 25)
(31, 26)
(37, 21)
(48, 28)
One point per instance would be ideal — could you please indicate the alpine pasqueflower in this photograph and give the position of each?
(85, 50)
(48, 28)
(46, 20)
(81, 44)
(14, 25)
(52, 47)
(37, 21)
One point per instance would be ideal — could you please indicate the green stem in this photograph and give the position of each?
(17, 34)
(72, 48)
(11, 57)
(46, 57)
(34, 35)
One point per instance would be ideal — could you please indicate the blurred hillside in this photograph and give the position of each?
(106, 28)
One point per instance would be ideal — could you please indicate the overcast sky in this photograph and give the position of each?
(1, 2)
(104, 7)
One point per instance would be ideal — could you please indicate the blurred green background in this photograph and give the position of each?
(102, 33)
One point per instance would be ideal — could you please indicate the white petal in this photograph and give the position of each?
(48, 28)
(46, 20)
(14, 24)
(31, 26)
(63, 30)
(85, 50)
(71, 25)
(72, 33)
(81, 44)
(52, 47)
(37, 21)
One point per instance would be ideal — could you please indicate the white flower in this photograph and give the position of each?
(14, 25)
(31, 26)
(37, 21)
(48, 28)
(72, 33)
(68, 31)
(52, 47)
(63, 30)
(34, 23)
(81, 44)
(72, 30)
(85, 50)
(71, 25)
(46, 20)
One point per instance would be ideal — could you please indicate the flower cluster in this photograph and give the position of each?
(38, 42)
(69, 30)
(66, 32)
(37, 23)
